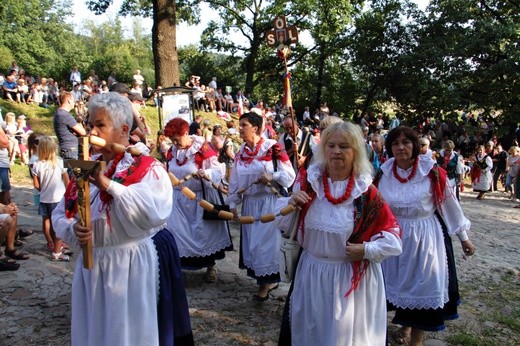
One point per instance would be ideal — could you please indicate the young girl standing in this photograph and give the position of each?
(50, 178)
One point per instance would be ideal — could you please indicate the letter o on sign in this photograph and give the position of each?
(279, 23)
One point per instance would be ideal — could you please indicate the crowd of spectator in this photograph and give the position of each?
(20, 87)
(470, 138)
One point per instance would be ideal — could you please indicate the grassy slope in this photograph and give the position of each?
(40, 120)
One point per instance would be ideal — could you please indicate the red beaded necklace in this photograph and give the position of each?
(112, 168)
(183, 162)
(412, 173)
(346, 195)
(250, 153)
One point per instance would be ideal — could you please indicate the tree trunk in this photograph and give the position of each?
(320, 75)
(164, 43)
(250, 67)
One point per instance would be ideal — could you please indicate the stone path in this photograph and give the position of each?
(35, 300)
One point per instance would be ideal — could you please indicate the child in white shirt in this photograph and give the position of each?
(50, 178)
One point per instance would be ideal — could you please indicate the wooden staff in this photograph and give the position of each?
(82, 169)
(226, 215)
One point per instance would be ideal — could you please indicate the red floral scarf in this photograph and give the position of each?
(204, 153)
(371, 215)
(133, 174)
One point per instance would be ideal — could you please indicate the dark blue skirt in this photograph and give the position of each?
(172, 307)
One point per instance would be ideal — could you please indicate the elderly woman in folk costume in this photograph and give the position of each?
(346, 230)
(201, 242)
(134, 293)
(421, 284)
(259, 162)
(481, 176)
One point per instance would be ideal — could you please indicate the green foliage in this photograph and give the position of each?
(37, 37)
(6, 57)
(456, 55)
(249, 19)
(112, 52)
(474, 49)
(465, 339)
(226, 68)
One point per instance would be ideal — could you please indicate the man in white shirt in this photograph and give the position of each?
(75, 76)
(213, 83)
(138, 77)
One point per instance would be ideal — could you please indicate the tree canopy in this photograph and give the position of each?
(456, 55)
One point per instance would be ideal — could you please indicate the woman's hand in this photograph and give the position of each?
(468, 247)
(235, 213)
(265, 178)
(82, 233)
(299, 198)
(355, 252)
(200, 174)
(100, 180)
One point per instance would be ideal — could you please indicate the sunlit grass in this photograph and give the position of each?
(40, 120)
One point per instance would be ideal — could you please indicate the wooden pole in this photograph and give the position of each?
(85, 215)
(291, 112)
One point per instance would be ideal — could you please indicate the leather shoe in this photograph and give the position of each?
(259, 298)
(25, 233)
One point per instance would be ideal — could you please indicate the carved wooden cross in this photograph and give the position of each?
(282, 34)
(82, 169)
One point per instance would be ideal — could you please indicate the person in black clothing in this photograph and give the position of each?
(67, 129)
(499, 164)
(305, 143)
(195, 126)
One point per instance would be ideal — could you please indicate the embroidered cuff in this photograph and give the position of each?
(368, 251)
(463, 236)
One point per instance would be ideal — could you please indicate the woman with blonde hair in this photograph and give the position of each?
(329, 121)
(50, 178)
(346, 229)
(10, 130)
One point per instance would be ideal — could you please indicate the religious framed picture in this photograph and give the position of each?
(176, 106)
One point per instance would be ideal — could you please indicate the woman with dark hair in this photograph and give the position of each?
(346, 230)
(201, 242)
(259, 162)
(421, 284)
(481, 176)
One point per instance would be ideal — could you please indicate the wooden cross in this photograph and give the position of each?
(82, 169)
(282, 34)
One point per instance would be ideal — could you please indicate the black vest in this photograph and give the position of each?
(304, 148)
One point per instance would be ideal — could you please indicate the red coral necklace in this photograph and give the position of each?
(250, 153)
(112, 168)
(346, 195)
(183, 162)
(410, 176)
